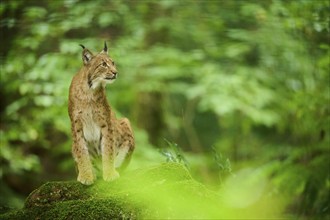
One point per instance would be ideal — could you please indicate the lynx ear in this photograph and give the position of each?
(86, 55)
(105, 49)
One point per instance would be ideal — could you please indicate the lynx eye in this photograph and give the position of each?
(104, 64)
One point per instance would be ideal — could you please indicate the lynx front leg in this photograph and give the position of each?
(81, 156)
(108, 154)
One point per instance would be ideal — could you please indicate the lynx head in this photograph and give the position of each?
(101, 69)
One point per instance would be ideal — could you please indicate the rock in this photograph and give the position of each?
(164, 191)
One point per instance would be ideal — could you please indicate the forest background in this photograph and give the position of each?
(238, 91)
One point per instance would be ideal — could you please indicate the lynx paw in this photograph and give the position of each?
(110, 176)
(86, 179)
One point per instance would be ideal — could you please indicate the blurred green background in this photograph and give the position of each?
(232, 86)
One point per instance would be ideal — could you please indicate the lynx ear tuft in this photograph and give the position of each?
(105, 49)
(86, 55)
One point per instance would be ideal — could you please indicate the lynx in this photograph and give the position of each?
(96, 132)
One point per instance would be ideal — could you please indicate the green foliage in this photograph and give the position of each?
(223, 164)
(174, 154)
(250, 78)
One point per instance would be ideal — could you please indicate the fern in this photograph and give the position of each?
(173, 153)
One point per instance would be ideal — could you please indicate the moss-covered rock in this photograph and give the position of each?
(53, 192)
(164, 191)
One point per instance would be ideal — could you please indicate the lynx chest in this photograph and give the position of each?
(91, 131)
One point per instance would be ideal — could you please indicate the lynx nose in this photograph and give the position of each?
(115, 74)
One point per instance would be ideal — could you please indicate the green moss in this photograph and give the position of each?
(79, 209)
(169, 171)
(53, 192)
(163, 191)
